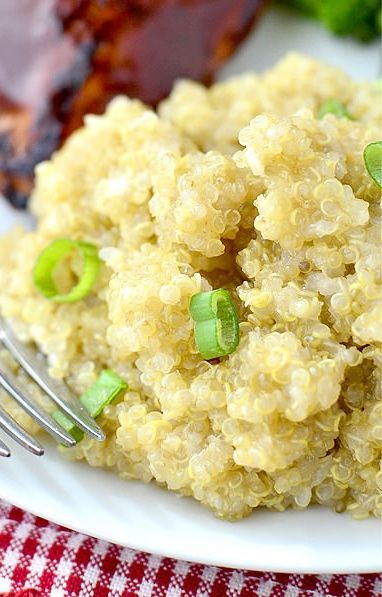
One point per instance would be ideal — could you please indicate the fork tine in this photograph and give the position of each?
(57, 391)
(9, 425)
(9, 384)
(4, 450)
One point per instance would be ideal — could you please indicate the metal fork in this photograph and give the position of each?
(56, 390)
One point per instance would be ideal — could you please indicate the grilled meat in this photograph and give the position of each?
(60, 59)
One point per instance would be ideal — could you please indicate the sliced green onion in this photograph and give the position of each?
(102, 392)
(107, 387)
(372, 156)
(52, 256)
(67, 424)
(335, 107)
(216, 323)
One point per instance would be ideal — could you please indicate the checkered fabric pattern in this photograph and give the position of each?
(41, 559)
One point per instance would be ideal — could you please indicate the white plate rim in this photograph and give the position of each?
(360, 551)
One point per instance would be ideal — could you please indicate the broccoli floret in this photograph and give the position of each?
(361, 18)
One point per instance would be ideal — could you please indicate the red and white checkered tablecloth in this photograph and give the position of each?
(41, 559)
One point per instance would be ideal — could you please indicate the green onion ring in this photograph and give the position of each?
(335, 107)
(50, 258)
(66, 423)
(216, 320)
(372, 156)
(104, 390)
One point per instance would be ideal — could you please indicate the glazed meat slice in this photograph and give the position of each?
(60, 59)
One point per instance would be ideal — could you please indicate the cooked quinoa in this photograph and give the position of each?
(238, 186)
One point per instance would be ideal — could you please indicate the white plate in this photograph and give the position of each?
(148, 518)
(151, 519)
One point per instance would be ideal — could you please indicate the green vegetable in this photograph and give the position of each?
(52, 256)
(216, 323)
(63, 420)
(107, 387)
(361, 18)
(372, 156)
(102, 392)
(335, 107)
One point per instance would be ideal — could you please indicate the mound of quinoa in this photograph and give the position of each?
(238, 186)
